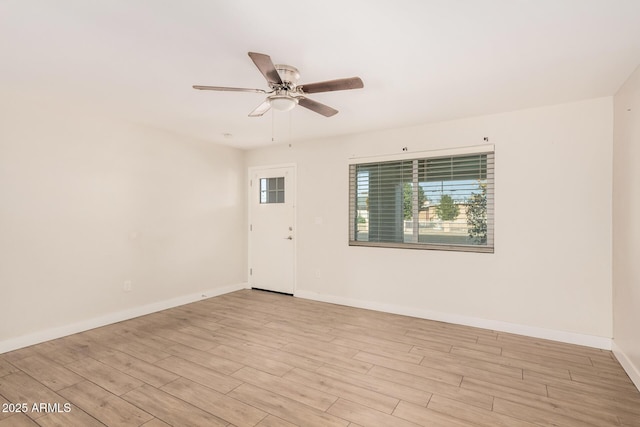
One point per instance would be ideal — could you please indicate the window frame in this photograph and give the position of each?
(416, 158)
(271, 195)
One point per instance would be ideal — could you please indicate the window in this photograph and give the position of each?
(440, 202)
(272, 190)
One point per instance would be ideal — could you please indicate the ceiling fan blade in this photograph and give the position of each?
(332, 85)
(319, 108)
(260, 109)
(228, 89)
(266, 67)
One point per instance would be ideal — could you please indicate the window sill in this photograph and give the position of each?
(423, 246)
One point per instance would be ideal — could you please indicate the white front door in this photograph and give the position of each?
(272, 228)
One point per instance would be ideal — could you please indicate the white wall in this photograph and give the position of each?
(88, 202)
(550, 274)
(626, 226)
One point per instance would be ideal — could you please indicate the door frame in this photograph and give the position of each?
(293, 191)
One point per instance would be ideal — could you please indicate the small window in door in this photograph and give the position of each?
(272, 190)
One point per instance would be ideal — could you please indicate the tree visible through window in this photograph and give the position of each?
(477, 215)
(447, 209)
(431, 203)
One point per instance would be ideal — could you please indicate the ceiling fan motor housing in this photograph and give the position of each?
(289, 75)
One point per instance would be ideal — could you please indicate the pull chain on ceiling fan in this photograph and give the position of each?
(285, 91)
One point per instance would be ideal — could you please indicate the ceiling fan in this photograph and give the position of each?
(285, 91)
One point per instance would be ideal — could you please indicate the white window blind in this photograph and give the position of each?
(443, 202)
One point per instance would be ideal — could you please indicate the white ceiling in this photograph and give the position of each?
(421, 61)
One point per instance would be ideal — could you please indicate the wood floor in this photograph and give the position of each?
(253, 358)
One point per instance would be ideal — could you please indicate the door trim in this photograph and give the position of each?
(250, 171)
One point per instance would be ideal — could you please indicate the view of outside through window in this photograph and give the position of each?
(272, 190)
(432, 201)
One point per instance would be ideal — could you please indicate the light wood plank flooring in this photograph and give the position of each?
(252, 358)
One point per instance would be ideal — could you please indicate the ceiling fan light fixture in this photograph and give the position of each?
(282, 102)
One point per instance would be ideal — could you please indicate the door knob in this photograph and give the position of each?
(289, 238)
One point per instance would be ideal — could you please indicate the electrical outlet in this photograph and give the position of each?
(127, 286)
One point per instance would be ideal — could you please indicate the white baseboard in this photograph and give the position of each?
(631, 370)
(96, 322)
(514, 328)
